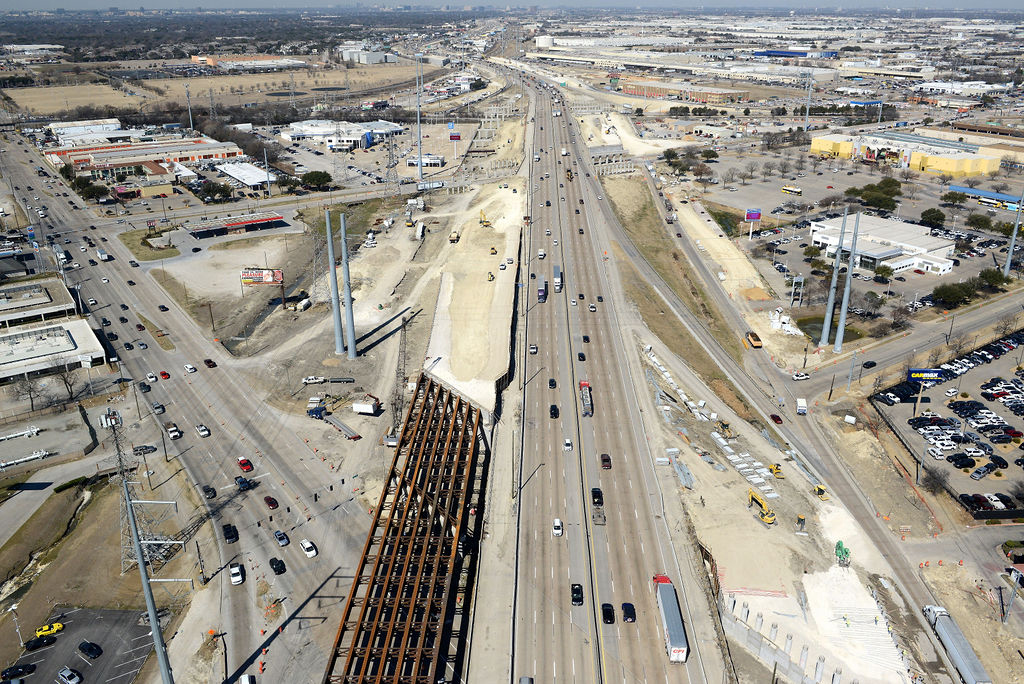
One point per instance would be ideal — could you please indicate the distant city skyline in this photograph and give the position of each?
(828, 5)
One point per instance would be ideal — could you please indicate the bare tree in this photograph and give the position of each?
(815, 164)
(971, 182)
(784, 166)
(1001, 186)
(944, 179)
(69, 377)
(28, 388)
(749, 171)
(933, 357)
(957, 342)
(908, 363)
(934, 480)
(841, 162)
(800, 164)
(886, 171)
(767, 169)
(907, 174)
(910, 190)
(729, 176)
(1006, 323)
(899, 316)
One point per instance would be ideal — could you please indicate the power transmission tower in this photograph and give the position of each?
(398, 392)
(213, 106)
(318, 290)
(391, 184)
(292, 90)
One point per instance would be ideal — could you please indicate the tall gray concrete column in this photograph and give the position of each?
(841, 329)
(826, 325)
(332, 279)
(350, 319)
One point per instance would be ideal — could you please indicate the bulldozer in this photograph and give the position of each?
(493, 250)
(776, 470)
(821, 492)
(490, 276)
(764, 514)
(723, 429)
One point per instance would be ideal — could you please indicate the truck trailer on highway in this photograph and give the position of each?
(557, 279)
(957, 647)
(586, 398)
(565, 152)
(671, 620)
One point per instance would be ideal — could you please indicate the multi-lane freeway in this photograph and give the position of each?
(578, 339)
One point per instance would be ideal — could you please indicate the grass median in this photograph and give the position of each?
(163, 340)
(134, 240)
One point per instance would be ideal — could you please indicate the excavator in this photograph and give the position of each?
(776, 470)
(765, 514)
(483, 220)
(821, 492)
(723, 428)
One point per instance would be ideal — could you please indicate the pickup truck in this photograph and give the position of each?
(172, 430)
(313, 380)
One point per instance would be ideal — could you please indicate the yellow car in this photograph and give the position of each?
(52, 628)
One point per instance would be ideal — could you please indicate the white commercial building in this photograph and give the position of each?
(341, 135)
(247, 174)
(899, 245)
(62, 128)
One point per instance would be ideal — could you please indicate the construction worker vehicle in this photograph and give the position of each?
(776, 470)
(821, 492)
(723, 429)
(764, 513)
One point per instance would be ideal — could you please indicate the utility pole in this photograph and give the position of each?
(807, 111)
(1013, 239)
(202, 568)
(419, 129)
(188, 102)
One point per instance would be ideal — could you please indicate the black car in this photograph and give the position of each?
(581, 231)
(586, 339)
(93, 262)
(209, 492)
(597, 496)
(607, 614)
(600, 298)
(144, 387)
(15, 671)
(870, 364)
(197, 249)
(552, 384)
(131, 283)
(128, 346)
(243, 483)
(576, 592)
(112, 336)
(163, 308)
(553, 411)
(277, 565)
(104, 322)
(40, 642)
(230, 533)
(1000, 439)
(93, 651)
(133, 263)
(999, 461)
(124, 307)
(123, 319)
(628, 612)
(581, 356)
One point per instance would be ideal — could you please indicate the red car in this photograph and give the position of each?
(777, 419)
(245, 464)
(165, 375)
(270, 501)
(140, 327)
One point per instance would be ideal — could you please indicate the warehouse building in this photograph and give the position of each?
(680, 90)
(130, 157)
(61, 128)
(901, 246)
(341, 135)
(247, 174)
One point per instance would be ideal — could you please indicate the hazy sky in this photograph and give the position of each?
(239, 4)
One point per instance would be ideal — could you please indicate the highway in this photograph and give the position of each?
(241, 425)
(614, 562)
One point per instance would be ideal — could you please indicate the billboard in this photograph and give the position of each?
(753, 215)
(455, 136)
(924, 374)
(262, 276)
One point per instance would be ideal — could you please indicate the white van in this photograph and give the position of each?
(556, 528)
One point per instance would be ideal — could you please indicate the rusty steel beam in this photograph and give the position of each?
(394, 619)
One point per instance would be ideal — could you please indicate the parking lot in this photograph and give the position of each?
(121, 635)
(968, 426)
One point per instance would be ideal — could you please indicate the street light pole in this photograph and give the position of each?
(17, 627)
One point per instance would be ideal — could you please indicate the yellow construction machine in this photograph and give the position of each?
(723, 429)
(493, 250)
(776, 470)
(821, 492)
(490, 276)
(483, 220)
(765, 514)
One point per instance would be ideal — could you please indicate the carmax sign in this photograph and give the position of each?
(924, 374)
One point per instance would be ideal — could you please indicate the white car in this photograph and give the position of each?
(556, 528)
(189, 368)
(567, 445)
(533, 349)
(104, 280)
(203, 430)
(151, 377)
(92, 302)
(68, 676)
(308, 548)
(801, 376)
(951, 392)
(237, 573)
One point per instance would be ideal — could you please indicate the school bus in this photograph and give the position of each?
(753, 340)
(791, 190)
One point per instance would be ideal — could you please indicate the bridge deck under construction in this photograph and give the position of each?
(403, 619)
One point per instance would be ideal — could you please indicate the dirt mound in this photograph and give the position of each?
(755, 294)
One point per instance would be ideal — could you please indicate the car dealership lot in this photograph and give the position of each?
(975, 440)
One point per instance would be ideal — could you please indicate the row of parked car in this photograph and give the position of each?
(990, 502)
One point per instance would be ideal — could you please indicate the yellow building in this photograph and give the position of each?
(905, 150)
